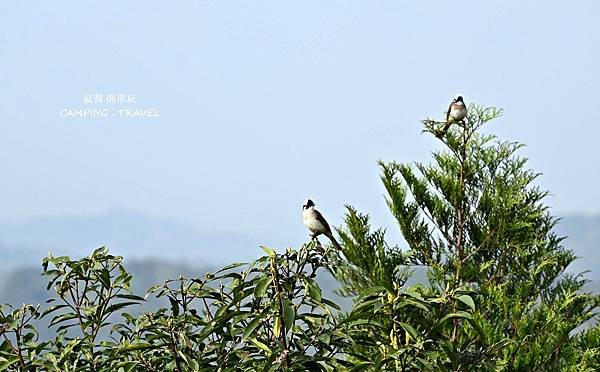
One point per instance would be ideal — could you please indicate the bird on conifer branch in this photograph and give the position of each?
(457, 112)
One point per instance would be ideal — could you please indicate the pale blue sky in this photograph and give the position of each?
(265, 103)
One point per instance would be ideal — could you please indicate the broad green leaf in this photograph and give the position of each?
(182, 356)
(370, 291)
(325, 338)
(415, 295)
(105, 278)
(365, 305)
(62, 317)
(59, 260)
(467, 300)
(7, 363)
(277, 326)
(262, 346)
(251, 327)
(231, 266)
(99, 251)
(66, 326)
(268, 250)
(52, 309)
(314, 291)
(458, 314)
(130, 297)
(411, 302)
(331, 304)
(289, 314)
(115, 307)
(262, 285)
(411, 331)
(174, 306)
(139, 346)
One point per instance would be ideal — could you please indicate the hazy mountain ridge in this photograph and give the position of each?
(156, 249)
(27, 285)
(582, 234)
(132, 234)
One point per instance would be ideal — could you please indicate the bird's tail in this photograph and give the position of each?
(334, 242)
(446, 127)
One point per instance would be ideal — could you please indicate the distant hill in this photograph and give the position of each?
(128, 233)
(583, 237)
(27, 285)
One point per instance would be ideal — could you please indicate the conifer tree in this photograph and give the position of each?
(476, 220)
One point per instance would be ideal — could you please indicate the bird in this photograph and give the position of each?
(316, 223)
(457, 111)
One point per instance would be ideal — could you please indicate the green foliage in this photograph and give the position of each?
(18, 347)
(411, 329)
(497, 295)
(476, 220)
(370, 262)
(88, 292)
(267, 315)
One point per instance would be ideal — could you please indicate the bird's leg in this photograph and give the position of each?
(318, 245)
(442, 132)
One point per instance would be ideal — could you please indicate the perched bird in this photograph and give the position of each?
(315, 222)
(457, 111)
